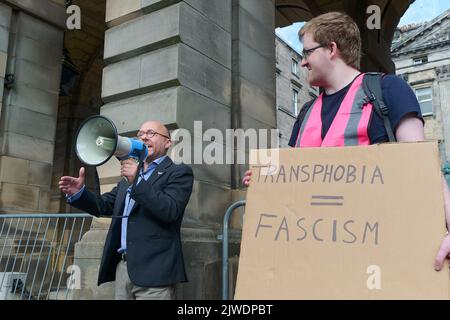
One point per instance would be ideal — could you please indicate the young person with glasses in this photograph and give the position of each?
(341, 115)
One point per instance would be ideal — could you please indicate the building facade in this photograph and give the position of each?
(421, 53)
(293, 90)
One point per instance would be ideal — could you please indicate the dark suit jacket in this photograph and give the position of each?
(154, 254)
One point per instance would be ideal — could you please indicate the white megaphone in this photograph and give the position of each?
(97, 141)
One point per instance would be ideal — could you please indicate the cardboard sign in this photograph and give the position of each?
(344, 223)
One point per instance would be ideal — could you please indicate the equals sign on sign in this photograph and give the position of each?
(327, 200)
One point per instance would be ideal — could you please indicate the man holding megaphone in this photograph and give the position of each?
(142, 250)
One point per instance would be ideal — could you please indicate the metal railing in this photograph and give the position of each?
(35, 252)
(226, 220)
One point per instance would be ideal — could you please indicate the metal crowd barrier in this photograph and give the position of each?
(226, 220)
(36, 255)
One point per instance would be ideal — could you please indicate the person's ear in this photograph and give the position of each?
(168, 144)
(333, 48)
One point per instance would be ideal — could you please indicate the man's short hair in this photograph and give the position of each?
(340, 28)
(166, 130)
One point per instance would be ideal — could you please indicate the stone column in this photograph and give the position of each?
(5, 26)
(31, 39)
(184, 61)
(443, 78)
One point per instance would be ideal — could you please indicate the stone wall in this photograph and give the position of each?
(179, 62)
(30, 52)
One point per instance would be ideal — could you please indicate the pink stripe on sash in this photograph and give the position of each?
(312, 134)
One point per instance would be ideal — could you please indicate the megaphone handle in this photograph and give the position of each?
(139, 169)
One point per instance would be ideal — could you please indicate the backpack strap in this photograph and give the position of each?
(298, 122)
(374, 95)
(303, 111)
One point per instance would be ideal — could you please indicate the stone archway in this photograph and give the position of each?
(84, 61)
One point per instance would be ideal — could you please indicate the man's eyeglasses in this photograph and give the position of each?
(307, 52)
(150, 133)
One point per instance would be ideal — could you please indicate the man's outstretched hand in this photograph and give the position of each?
(71, 185)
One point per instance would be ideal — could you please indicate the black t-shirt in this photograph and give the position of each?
(397, 95)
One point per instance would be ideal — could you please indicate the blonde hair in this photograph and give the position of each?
(340, 28)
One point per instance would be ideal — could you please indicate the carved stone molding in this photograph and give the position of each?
(443, 72)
